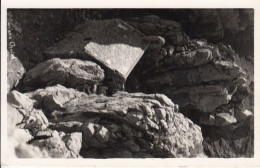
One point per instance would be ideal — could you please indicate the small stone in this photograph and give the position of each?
(242, 114)
(161, 113)
(224, 119)
(88, 129)
(164, 124)
(102, 135)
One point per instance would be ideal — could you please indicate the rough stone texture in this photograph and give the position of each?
(129, 121)
(54, 145)
(227, 138)
(84, 75)
(15, 71)
(20, 101)
(113, 43)
(73, 142)
(53, 97)
(213, 89)
(219, 71)
(17, 138)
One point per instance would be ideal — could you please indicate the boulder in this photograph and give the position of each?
(133, 121)
(73, 142)
(218, 71)
(73, 73)
(54, 145)
(15, 71)
(203, 98)
(20, 101)
(53, 97)
(21, 112)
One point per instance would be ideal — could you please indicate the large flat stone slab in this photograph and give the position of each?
(113, 43)
(118, 46)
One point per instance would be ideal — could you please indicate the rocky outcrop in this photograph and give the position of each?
(82, 125)
(83, 75)
(124, 125)
(15, 71)
(212, 85)
(204, 79)
(29, 133)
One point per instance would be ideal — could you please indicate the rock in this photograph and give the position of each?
(15, 71)
(105, 128)
(107, 41)
(102, 135)
(219, 71)
(69, 72)
(67, 127)
(242, 114)
(155, 41)
(20, 101)
(191, 59)
(203, 98)
(36, 121)
(161, 113)
(29, 151)
(73, 143)
(224, 119)
(26, 116)
(22, 135)
(54, 145)
(235, 140)
(54, 97)
(14, 116)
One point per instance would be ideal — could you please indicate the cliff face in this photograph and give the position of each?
(202, 60)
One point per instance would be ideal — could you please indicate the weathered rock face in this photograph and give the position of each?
(124, 125)
(84, 75)
(29, 133)
(15, 71)
(206, 80)
(228, 25)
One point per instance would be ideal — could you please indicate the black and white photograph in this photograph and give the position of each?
(129, 83)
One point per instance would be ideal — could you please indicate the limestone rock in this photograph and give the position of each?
(20, 101)
(15, 71)
(68, 72)
(223, 119)
(14, 116)
(203, 98)
(54, 145)
(53, 97)
(73, 143)
(138, 128)
(219, 71)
